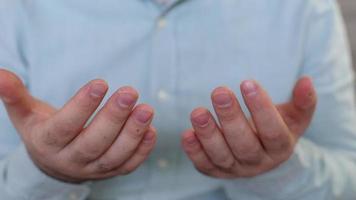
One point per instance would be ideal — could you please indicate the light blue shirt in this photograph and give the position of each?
(175, 56)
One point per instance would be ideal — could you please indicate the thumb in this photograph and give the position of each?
(13, 93)
(298, 113)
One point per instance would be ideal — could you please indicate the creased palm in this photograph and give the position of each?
(241, 147)
(115, 142)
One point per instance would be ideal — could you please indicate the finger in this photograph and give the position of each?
(235, 127)
(211, 138)
(272, 130)
(128, 140)
(105, 127)
(19, 103)
(141, 154)
(67, 123)
(199, 158)
(299, 112)
(195, 152)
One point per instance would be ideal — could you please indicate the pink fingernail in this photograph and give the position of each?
(125, 100)
(143, 116)
(222, 100)
(249, 88)
(97, 90)
(202, 119)
(191, 140)
(148, 137)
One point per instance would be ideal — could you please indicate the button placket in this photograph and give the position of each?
(161, 22)
(163, 62)
(162, 87)
(163, 96)
(73, 196)
(162, 163)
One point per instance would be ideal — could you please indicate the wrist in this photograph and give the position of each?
(33, 183)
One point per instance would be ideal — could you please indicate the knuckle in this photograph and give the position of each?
(194, 150)
(280, 146)
(115, 116)
(293, 118)
(129, 151)
(57, 131)
(283, 145)
(136, 132)
(148, 144)
(247, 149)
(250, 159)
(126, 170)
(50, 139)
(271, 136)
(38, 150)
(225, 161)
(208, 171)
(79, 156)
(105, 166)
(241, 150)
(227, 115)
(70, 169)
(85, 103)
(65, 129)
(39, 154)
(208, 132)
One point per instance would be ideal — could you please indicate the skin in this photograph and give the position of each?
(116, 141)
(234, 146)
(121, 136)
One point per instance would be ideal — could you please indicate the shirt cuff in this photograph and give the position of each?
(26, 181)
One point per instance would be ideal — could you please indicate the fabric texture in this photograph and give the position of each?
(175, 60)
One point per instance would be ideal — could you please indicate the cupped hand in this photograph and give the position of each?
(241, 147)
(115, 142)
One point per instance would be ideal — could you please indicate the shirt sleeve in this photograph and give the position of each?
(20, 179)
(323, 165)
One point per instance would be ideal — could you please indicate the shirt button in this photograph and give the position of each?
(163, 96)
(73, 196)
(162, 163)
(161, 23)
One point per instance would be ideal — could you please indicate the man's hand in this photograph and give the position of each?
(116, 142)
(241, 147)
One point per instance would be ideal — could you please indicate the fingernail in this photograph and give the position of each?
(143, 116)
(222, 100)
(201, 119)
(310, 101)
(249, 88)
(191, 140)
(148, 137)
(125, 100)
(97, 90)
